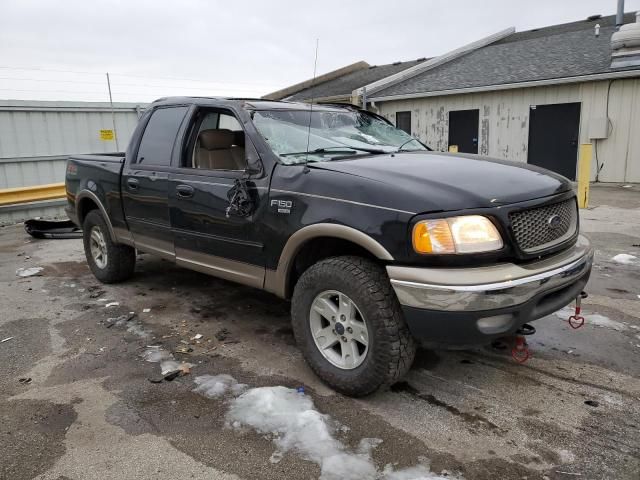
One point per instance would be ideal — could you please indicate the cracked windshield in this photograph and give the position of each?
(299, 136)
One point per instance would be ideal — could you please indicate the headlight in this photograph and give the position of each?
(467, 234)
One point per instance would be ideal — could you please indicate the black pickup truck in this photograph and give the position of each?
(379, 242)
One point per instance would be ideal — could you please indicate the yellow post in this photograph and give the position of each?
(584, 173)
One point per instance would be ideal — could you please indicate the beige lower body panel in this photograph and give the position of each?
(232, 270)
(155, 246)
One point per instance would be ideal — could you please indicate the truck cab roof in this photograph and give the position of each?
(252, 103)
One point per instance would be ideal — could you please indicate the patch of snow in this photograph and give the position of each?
(276, 457)
(593, 319)
(566, 456)
(626, 259)
(146, 310)
(295, 425)
(138, 330)
(606, 322)
(156, 354)
(28, 272)
(419, 472)
(215, 386)
(112, 304)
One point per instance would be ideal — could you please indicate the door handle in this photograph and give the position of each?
(132, 183)
(184, 191)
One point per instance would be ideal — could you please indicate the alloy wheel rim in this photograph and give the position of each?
(339, 329)
(98, 247)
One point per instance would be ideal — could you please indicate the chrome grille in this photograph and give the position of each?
(542, 227)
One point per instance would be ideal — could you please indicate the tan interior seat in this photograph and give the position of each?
(218, 150)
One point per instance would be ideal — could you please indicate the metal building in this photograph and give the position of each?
(539, 96)
(37, 136)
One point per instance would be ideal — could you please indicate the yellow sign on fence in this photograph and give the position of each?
(453, 148)
(106, 135)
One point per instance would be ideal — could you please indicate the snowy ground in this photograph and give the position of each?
(244, 405)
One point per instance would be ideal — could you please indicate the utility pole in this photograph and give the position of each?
(113, 115)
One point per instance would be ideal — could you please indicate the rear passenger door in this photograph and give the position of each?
(208, 237)
(145, 183)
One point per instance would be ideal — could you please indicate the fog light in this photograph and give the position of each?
(495, 324)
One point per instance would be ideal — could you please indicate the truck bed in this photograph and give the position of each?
(99, 174)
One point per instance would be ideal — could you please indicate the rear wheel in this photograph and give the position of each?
(349, 326)
(110, 262)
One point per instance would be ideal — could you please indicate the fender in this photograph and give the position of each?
(94, 197)
(276, 280)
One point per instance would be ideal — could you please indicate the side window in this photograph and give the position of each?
(159, 136)
(403, 121)
(219, 143)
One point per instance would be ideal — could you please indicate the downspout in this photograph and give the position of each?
(620, 14)
(364, 98)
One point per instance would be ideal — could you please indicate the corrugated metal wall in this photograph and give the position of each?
(37, 137)
(504, 121)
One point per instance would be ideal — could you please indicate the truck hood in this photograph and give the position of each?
(431, 181)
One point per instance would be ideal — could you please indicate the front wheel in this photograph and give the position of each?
(110, 262)
(349, 326)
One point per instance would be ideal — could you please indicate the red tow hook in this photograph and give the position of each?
(520, 351)
(576, 320)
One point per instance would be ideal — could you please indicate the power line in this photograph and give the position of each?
(4, 67)
(141, 85)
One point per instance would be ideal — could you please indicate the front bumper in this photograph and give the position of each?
(467, 306)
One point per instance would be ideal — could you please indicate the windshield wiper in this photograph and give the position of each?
(336, 149)
(408, 141)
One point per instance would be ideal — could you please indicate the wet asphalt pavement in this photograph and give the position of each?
(91, 408)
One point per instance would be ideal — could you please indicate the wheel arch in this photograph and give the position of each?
(280, 282)
(87, 201)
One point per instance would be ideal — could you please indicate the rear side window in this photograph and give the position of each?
(159, 136)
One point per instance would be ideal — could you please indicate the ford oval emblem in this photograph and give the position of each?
(554, 221)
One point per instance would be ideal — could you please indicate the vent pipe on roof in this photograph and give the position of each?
(620, 14)
(625, 45)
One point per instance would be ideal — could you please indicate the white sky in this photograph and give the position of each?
(60, 50)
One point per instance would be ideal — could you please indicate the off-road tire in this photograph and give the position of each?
(121, 259)
(391, 346)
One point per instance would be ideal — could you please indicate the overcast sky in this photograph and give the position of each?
(60, 50)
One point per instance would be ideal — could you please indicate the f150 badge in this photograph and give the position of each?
(283, 206)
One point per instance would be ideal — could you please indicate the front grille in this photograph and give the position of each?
(539, 228)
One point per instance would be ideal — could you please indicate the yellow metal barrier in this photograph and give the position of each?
(10, 196)
(584, 173)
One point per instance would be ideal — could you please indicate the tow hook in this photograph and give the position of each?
(577, 320)
(520, 351)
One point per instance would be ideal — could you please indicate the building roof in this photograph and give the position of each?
(345, 84)
(555, 52)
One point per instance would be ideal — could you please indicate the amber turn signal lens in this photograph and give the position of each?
(433, 236)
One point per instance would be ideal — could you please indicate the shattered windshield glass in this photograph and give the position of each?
(297, 136)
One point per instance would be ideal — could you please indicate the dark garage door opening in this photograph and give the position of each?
(463, 130)
(553, 137)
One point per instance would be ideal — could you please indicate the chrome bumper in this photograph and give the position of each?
(489, 288)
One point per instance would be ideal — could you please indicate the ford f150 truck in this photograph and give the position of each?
(380, 243)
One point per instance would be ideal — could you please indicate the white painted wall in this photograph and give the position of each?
(505, 118)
